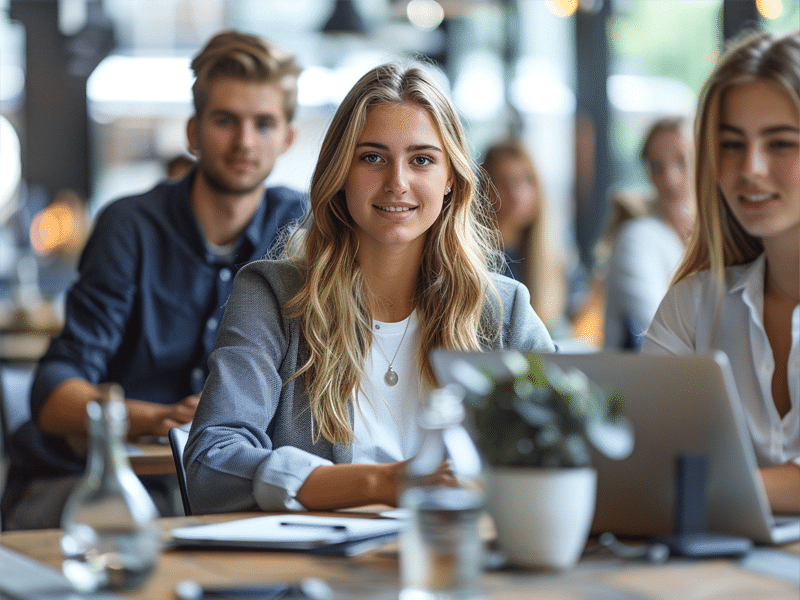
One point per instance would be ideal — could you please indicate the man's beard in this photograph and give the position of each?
(219, 184)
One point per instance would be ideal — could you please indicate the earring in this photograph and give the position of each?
(446, 191)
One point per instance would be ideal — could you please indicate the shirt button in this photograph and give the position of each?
(212, 323)
(197, 373)
(225, 274)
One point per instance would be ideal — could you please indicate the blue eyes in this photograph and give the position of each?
(419, 161)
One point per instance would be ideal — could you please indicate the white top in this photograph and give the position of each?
(386, 428)
(644, 258)
(684, 324)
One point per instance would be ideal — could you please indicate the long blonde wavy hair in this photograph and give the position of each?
(718, 240)
(453, 285)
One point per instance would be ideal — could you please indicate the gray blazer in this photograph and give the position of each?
(251, 443)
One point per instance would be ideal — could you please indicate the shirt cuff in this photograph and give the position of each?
(281, 475)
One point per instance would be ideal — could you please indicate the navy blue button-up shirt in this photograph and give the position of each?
(150, 295)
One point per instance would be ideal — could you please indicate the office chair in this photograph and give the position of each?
(177, 441)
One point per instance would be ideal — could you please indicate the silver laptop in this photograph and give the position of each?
(678, 405)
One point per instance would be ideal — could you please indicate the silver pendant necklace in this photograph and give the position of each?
(390, 377)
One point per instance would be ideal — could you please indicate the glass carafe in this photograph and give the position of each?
(111, 537)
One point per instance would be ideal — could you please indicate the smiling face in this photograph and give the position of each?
(759, 159)
(398, 177)
(241, 132)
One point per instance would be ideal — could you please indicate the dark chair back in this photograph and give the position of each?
(177, 441)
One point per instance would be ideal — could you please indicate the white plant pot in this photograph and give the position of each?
(542, 516)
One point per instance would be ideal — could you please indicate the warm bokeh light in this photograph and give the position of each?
(770, 9)
(562, 8)
(56, 227)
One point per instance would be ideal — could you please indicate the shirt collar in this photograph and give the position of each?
(255, 229)
(750, 280)
(253, 233)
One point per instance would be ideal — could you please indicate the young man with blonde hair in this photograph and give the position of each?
(156, 274)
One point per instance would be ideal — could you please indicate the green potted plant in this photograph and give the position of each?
(535, 425)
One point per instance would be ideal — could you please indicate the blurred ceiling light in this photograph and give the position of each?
(650, 95)
(425, 14)
(478, 91)
(562, 8)
(10, 168)
(770, 9)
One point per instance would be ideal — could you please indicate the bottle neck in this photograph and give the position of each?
(107, 452)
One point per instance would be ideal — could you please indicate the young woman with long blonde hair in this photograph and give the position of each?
(738, 289)
(321, 363)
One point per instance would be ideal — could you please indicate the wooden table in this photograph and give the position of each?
(152, 458)
(373, 575)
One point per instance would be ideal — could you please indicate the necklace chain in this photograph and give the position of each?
(390, 377)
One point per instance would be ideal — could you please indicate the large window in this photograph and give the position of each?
(662, 51)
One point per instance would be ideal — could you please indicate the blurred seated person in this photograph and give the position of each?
(179, 166)
(156, 273)
(738, 288)
(647, 250)
(534, 256)
(322, 361)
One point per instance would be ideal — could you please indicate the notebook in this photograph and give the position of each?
(334, 535)
(678, 405)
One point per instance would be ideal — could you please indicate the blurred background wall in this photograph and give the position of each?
(95, 94)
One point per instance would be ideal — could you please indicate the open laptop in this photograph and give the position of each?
(678, 405)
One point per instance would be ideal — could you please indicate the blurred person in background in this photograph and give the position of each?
(647, 250)
(156, 273)
(534, 256)
(738, 287)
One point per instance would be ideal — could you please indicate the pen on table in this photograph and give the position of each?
(314, 525)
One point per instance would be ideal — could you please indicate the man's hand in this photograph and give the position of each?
(64, 412)
(147, 418)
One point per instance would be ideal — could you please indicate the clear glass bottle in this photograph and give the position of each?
(441, 551)
(111, 537)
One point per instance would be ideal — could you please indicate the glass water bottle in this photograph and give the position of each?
(111, 537)
(441, 551)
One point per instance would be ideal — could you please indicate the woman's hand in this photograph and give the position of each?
(782, 484)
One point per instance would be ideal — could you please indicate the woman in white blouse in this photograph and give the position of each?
(738, 289)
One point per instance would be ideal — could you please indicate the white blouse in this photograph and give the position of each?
(385, 420)
(685, 324)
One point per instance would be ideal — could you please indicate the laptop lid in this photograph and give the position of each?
(678, 405)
